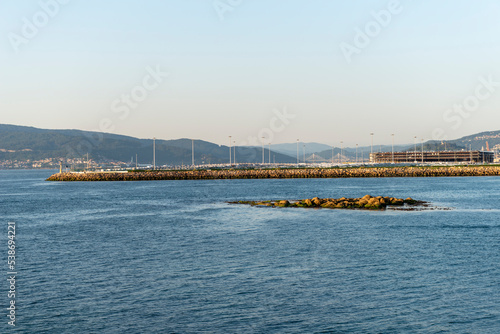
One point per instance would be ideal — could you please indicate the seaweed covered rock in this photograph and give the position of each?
(366, 202)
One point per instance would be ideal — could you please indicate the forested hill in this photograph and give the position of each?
(23, 143)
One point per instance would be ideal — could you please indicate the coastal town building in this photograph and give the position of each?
(433, 157)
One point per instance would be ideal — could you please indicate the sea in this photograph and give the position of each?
(175, 257)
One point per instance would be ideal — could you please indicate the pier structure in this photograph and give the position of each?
(282, 173)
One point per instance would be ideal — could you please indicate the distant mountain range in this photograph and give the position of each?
(22, 143)
(291, 149)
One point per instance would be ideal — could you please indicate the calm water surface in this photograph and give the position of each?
(172, 257)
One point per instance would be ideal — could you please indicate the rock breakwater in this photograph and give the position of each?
(282, 173)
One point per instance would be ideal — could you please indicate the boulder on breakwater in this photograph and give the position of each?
(281, 173)
(366, 202)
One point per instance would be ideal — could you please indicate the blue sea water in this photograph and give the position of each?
(173, 257)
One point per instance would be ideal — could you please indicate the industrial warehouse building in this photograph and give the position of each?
(433, 156)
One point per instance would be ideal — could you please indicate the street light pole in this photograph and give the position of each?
(269, 151)
(415, 151)
(341, 151)
(371, 134)
(297, 153)
(262, 150)
(154, 153)
(422, 150)
(230, 159)
(392, 148)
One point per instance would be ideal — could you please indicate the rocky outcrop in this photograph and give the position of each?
(366, 202)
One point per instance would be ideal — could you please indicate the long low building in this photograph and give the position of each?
(433, 156)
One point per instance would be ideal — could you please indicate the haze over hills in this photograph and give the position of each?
(22, 143)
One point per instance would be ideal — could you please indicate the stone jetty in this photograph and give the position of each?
(282, 173)
(366, 202)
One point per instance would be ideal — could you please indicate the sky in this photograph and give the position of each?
(319, 71)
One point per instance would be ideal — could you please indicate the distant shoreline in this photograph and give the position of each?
(289, 173)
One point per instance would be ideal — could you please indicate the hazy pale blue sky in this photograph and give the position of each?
(233, 63)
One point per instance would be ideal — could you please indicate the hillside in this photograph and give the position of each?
(291, 148)
(479, 140)
(23, 143)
